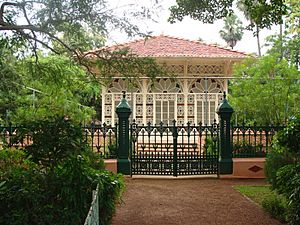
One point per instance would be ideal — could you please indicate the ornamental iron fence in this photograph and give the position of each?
(101, 138)
(174, 149)
(252, 140)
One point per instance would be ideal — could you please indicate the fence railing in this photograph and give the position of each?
(252, 140)
(176, 150)
(247, 140)
(101, 138)
(93, 214)
(159, 138)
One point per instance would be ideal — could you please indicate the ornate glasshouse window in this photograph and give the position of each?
(185, 100)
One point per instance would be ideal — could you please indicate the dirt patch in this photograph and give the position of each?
(188, 202)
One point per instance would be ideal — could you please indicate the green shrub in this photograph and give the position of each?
(210, 145)
(276, 205)
(283, 168)
(289, 137)
(113, 186)
(288, 184)
(244, 149)
(274, 161)
(53, 141)
(19, 191)
(52, 183)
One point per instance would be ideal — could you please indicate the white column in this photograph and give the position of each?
(225, 85)
(133, 100)
(144, 92)
(154, 108)
(185, 92)
(195, 108)
(216, 106)
(113, 106)
(175, 107)
(103, 104)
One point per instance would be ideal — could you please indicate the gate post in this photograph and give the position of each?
(225, 111)
(123, 110)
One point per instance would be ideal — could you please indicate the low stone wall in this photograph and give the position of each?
(249, 167)
(111, 165)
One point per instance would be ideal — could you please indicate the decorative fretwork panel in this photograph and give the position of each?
(139, 110)
(180, 99)
(191, 108)
(206, 85)
(166, 85)
(157, 107)
(139, 99)
(175, 69)
(118, 97)
(149, 111)
(108, 99)
(108, 110)
(119, 85)
(180, 111)
(149, 99)
(207, 69)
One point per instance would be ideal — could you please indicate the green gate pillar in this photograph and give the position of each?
(123, 110)
(225, 111)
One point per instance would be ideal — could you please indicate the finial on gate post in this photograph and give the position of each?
(224, 95)
(124, 94)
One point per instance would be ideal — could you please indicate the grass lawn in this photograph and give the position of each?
(256, 193)
(269, 200)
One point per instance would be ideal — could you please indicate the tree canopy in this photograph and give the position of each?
(266, 90)
(35, 83)
(54, 87)
(232, 32)
(44, 22)
(264, 12)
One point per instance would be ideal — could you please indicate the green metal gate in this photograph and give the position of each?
(174, 150)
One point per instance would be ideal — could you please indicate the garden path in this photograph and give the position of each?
(202, 201)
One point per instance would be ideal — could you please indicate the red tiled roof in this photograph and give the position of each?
(166, 46)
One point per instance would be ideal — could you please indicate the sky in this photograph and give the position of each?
(193, 30)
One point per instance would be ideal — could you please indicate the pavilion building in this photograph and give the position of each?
(201, 74)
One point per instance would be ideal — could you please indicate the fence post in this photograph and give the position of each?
(225, 111)
(175, 137)
(123, 110)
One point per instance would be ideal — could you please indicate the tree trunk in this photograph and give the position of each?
(258, 42)
(281, 40)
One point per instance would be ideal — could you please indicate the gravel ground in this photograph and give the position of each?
(188, 202)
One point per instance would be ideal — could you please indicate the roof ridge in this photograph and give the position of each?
(162, 36)
(202, 42)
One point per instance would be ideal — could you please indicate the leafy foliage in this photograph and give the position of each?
(285, 163)
(41, 23)
(276, 205)
(289, 185)
(264, 12)
(53, 142)
(31, 193)
(273, 100)
(232, 31)
(122, 63)
(55, 86)
(289, 138)
(275, 160)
